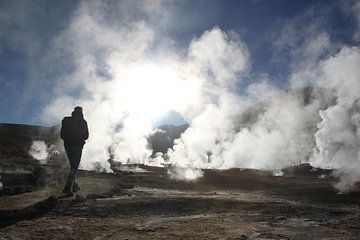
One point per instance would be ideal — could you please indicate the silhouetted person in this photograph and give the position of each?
(74, 132)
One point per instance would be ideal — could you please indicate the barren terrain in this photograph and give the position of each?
(147, 204)
(142, 202)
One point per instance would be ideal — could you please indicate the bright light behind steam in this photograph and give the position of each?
(151, 91)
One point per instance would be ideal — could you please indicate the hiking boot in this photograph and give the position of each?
(68, 191)
(69, 194)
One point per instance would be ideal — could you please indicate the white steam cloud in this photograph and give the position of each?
(338, 137)
(125, 75)
(38, 151)
(185, 174)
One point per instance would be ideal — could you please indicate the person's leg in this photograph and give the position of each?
(77, 152)
(70, 180)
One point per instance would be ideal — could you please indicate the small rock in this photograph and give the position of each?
(242, 237)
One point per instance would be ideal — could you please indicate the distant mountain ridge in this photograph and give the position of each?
(16, 139)
(164, 137)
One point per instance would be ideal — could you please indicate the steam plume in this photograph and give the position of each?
(338, 139)
(38, 151)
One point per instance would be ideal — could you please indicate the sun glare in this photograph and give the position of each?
(152, 91)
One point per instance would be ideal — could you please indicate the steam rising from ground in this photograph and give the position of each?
(338, 137)
(124, 79)
(185, 174)
(38, 151)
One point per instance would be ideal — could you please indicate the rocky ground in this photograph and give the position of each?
(147, 204)
(141, 202)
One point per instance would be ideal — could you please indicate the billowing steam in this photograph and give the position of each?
(38, 151)
(125, 75)
(338, 137)
(185, 174)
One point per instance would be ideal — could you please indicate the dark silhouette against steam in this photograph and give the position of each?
(74, 132)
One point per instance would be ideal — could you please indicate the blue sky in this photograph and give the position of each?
(273, 31)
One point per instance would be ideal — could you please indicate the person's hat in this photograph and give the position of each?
(78, 109)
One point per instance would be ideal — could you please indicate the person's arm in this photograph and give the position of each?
(86, 130)
(62, 130)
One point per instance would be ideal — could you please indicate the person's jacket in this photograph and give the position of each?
(74, 130)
